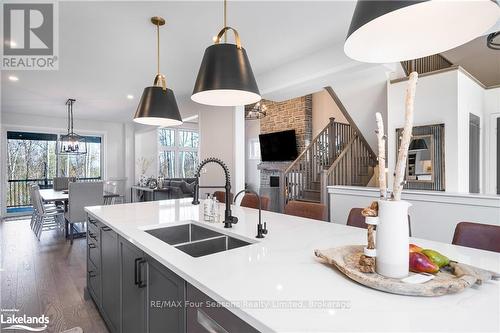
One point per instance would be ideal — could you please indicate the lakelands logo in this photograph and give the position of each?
(30, 36)
(24, 323)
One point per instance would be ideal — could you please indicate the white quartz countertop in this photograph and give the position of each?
(295, 292)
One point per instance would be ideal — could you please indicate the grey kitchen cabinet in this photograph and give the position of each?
(204, 315)
(133, 291)
(93, 261)
(110, 277)
(165, 299)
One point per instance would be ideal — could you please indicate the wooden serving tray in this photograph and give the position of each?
(346, 259)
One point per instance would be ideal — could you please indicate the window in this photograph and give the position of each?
(178, 152)
(86, 166)
(32, 158)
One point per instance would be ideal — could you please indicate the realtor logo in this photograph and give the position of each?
(30, 36)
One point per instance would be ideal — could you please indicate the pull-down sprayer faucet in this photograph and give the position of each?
(229, 220)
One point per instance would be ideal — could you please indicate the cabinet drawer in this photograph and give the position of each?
(94, 282)
(94, 253)
(92, 236)
(93, 226)
(203, 319)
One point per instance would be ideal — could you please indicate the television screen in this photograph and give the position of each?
(278, 146)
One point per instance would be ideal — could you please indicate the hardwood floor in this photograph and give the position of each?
(46, 277)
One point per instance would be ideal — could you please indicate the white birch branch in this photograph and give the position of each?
(399, 172)
(381, 155)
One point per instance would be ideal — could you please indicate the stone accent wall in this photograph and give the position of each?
(291, 114)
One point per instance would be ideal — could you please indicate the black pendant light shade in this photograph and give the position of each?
(158, 107)
(393, 31)
(418, 144)
(225, 77)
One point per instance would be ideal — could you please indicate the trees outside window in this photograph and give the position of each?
(33, 158)
(178, 152)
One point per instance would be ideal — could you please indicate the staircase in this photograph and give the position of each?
(338, 155)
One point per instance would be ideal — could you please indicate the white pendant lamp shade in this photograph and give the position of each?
(225, 97)
(393, 31)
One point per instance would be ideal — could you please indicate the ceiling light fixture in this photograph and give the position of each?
(225, 77)
(258, 111)
(130, 96)
(72, 143)
(13, 78)
(393, 31)
(490, 41)
(158, 106)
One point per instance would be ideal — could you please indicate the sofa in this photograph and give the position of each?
(178, 188)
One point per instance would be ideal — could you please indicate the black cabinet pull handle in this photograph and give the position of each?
(91, 235)
(92, 274)
(136, 271)
(92, 245)
(92, 221)
(106, 229)
(141, 284)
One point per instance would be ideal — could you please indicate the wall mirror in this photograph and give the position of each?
(425, 167)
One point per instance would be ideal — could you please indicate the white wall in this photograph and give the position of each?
(436, 102)
(252, 174)
(470, 100)
(434, 215)
(449, 98)
(490, 115)
(146, 149)
(113, 134)
(323, 108)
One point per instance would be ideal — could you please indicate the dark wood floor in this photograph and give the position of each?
(46, 277)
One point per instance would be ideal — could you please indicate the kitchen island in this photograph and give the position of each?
(274, 284)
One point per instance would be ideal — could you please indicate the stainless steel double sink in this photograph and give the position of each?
(196, 240)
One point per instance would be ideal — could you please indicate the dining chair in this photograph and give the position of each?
(81, 195)
(310, 210)
(45, 217)
(112, 188)
(62, 183)
(477, 235)
(221, 196)
(250, 200)
(356, 219)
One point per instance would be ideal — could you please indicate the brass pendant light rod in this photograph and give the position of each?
(160, 79)
(225, 19)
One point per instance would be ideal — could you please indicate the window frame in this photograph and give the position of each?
(177, 149)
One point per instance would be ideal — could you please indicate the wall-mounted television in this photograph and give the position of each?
(278, 146)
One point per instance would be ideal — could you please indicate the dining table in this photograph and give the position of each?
(51, 195)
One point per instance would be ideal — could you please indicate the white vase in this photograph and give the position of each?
(392, 239)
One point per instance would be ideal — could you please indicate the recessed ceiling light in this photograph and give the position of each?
(11, 43)
(130, 96)
(13, 78)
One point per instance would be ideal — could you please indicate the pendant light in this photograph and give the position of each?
(258, 111)
(393, 31)
(490, 41)
(72, 143)
(158, 106)
(225, 77)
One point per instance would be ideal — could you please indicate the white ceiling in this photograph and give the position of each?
(107, 50)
